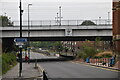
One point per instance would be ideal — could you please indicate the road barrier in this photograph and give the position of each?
(41, 70)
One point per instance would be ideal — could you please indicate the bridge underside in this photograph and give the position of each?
(91, 38)
(7, 43)
(69, 38)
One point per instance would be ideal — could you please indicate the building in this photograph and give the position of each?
(116, 27)
(78, 45)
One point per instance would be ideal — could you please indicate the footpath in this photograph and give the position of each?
(29, 72)
(117, 67)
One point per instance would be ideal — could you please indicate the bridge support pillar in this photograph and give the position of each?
(7, 45)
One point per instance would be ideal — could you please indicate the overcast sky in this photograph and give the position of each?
(56, 0)
(47, 9)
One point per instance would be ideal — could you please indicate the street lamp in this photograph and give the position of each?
(56, 19)
(99, 20)
(60, 14)
(29, 32)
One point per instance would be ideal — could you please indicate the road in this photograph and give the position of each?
(35, 55)
(74, 70)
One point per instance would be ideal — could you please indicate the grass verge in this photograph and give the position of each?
(8, 61)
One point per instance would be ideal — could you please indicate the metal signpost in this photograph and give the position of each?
(20, 42)
(20, 67)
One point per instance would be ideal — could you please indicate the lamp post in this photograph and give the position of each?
(108, 18)
(99, 20)
(29, 31)
(56, 19)
(60, 15)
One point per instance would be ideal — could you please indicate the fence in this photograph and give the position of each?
(99, 61)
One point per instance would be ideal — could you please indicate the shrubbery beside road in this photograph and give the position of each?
(8, 61)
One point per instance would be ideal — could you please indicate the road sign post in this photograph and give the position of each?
(20, 66)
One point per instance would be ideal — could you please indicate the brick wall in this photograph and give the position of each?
(116, 25)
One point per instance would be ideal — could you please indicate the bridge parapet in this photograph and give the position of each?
(42, 23)
(59, 28)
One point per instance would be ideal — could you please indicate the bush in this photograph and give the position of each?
(106, 55)
(103, 56)
(8, 61)
(87, 22)
(97, 57)
(82, 55)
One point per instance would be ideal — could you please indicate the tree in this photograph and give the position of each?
(58, 46)
(4, 21)
(97, 41)
(42, 44)
(87, 51)
(87, 22)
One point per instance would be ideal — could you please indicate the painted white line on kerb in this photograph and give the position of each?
(96, 67)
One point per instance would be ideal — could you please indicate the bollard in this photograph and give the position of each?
(108, 62)
(44, 76)
(98, 61)
(36, 64)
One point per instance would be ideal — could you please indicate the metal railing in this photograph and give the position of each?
(42, 23)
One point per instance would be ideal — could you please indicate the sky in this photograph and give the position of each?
(57, 0)
(47, 9)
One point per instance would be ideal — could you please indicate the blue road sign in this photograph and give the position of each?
(20, 40)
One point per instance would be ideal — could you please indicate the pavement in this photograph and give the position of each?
(28, 72)
(0, 77)
(99, 65)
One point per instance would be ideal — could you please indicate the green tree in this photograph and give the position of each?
(97, 42)
(58, 46)
(4, 21)
(55, 45)
(43, 44)
(87, 51)
(87, 22)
